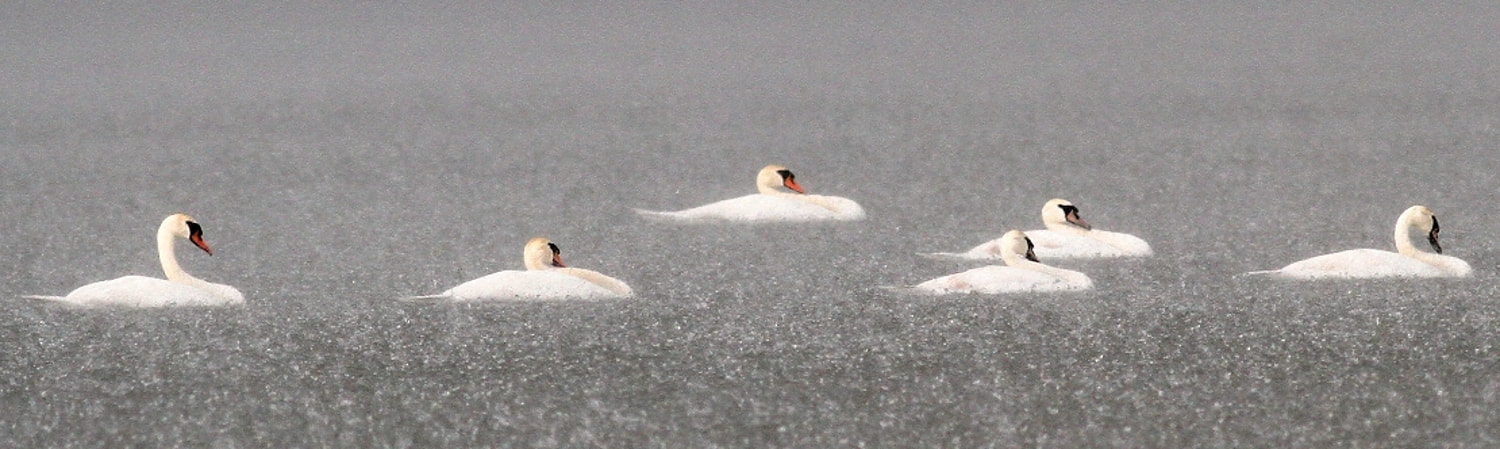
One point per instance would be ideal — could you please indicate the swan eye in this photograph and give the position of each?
(555, 249)
(786, 174)
(194, 229)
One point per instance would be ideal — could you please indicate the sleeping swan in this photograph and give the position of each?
(546, 277)
(178, 289)
(780, 199)
(1409, 260)
(1067, 237)
(1022, 273)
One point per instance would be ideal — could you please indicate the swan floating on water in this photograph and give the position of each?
(780, 199)
(178, 289)
(1022, 273)
(1409, 260)
(546, 277)
(1067, 236)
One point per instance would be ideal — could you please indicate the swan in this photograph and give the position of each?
(1067, 237)
(1409, 260)
(780, 199)
(1021, 273)
(178, 289)
(545, 277)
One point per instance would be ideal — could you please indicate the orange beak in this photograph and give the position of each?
(791, 184)
(197, 240)
(557, 261)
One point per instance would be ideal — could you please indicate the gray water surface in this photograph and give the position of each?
(344, 155)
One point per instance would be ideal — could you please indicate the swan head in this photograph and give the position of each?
(1059, 214)
(775, 178)
(185, 227)
(542, 254)
(1422, 219)
(1015, 244)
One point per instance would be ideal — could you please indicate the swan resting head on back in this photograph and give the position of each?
(780, 198)
(546, 277)
(1022, 273)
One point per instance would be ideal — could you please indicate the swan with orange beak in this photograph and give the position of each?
(780, 199)
(546, 278)
(178, 289)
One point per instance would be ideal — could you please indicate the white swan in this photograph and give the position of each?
(546, 277)
(1022, 273)
(780, 199)
(1067, 237)
(179, 289)
(1409, 260)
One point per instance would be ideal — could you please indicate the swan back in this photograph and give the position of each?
(1019, 253)
(1061, 215)
(774, 179)
(527, 285)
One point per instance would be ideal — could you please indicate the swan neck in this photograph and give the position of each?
(1404, 244)
(166, 250)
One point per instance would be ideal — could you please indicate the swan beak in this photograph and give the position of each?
(1030, 254)
(1432, 237)
(789, 181)
(1078, 221)
(792, 184)
(556, 255)
(195, 235)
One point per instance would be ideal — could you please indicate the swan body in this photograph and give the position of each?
(178, 289)
(780, 199)
(1067, 236)
(1409, 260)
(546, 277)
(1021, 273)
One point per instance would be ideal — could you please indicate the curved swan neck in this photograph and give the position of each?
(1403, 238)
(1416, 218)
(166, 250)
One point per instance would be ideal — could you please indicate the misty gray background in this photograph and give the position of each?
(341, 155)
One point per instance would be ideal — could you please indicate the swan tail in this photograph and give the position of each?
(1261, 273)
(427, 298)
(50, 298)
(900, 289)
(657, 216)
